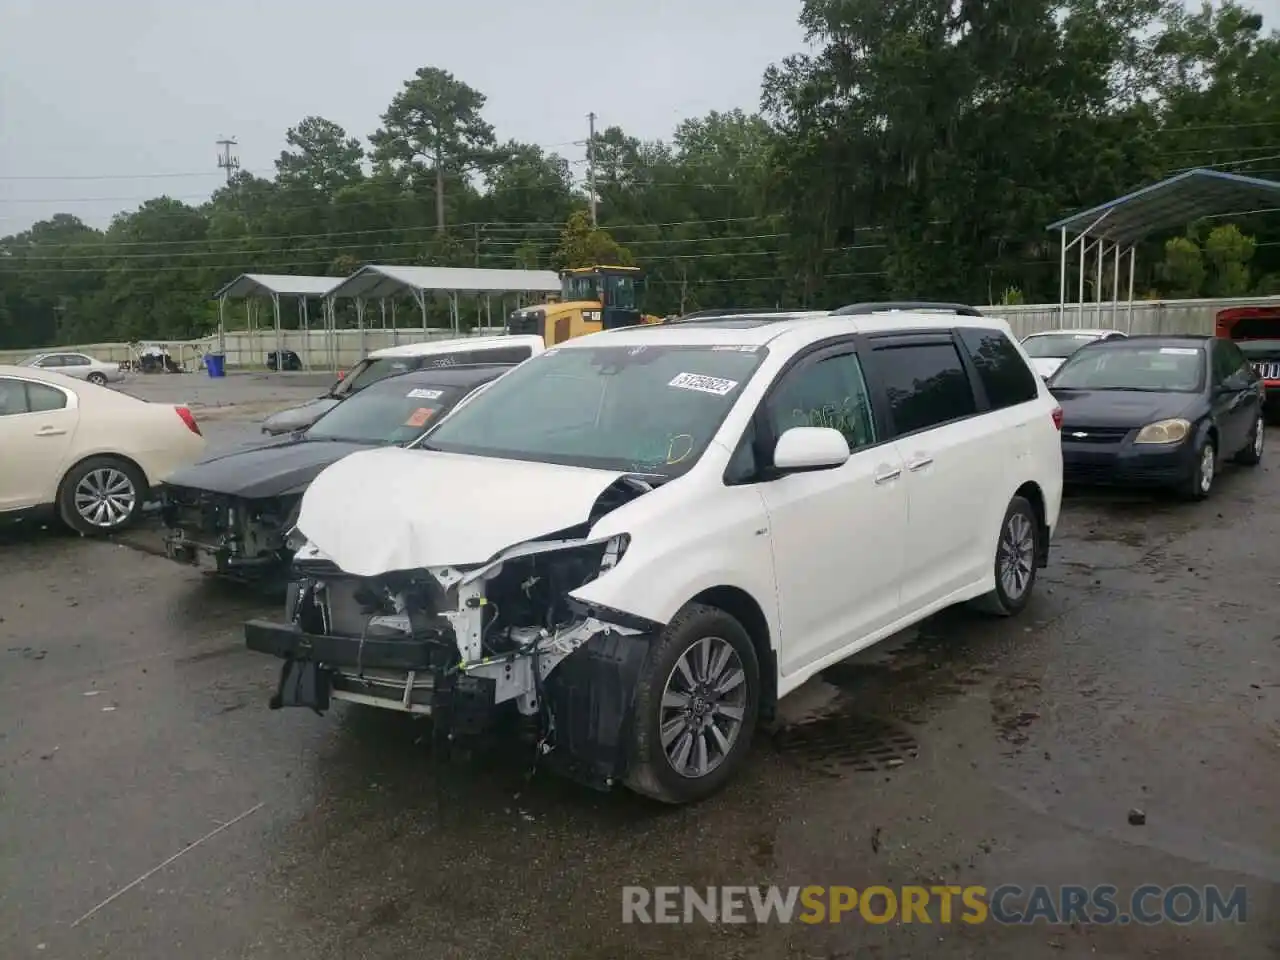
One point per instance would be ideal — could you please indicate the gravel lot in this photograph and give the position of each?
(135, 742)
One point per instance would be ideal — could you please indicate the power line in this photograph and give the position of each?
(547, 228)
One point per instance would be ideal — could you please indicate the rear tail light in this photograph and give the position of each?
(189, 419)
(1057, 418)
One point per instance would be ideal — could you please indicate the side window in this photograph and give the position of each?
(1005, 376)
(13, 397)
(46, 363)
(829, 393)
(41, 398)
(926, 385)
(1239, 362)
(75, 360)
(1224, 364)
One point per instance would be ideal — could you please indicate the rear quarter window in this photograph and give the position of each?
(1005, 376)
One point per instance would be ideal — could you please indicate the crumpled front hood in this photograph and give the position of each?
(394, 509)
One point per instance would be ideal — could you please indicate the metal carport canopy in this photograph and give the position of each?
(1174, 202)
(374, 282)
(1118, 226)
(279, 285)
(271, 286)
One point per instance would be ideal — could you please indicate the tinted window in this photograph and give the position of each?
(829, 393)
(46, 362)
(926, 385)
(41, 398)
(1236, 359)
(1004, 374)
(75, 360)
(13, 398)
(17, 396)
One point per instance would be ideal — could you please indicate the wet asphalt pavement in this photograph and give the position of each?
(151, 805)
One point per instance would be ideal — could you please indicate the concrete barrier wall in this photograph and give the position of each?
(338, 350)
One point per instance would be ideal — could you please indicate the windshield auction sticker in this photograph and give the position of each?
(419, 417)
(696, 381)
(420, 394)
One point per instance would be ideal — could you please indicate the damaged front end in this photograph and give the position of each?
(472, 646)
(225, 534)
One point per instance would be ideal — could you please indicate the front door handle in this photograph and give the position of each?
(888, 474)
(919, 463)
(50, 432)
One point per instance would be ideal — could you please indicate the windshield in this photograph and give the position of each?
(646, 409)
(1056, 345)
(390, 412)
(1129, 367)
(372, 369)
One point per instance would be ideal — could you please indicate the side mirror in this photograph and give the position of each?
(802, 449)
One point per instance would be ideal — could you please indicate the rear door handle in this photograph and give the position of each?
(50, 432)
(888, 474)
(919, 463)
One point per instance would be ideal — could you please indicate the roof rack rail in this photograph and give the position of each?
(923, 306)
(721, 312)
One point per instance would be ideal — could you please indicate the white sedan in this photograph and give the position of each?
(78, 365)
(1049, 350)
(85, 453)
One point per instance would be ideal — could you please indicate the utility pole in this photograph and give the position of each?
(591, 163)
(226, 161)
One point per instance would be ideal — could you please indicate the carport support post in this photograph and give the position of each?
(1133, 256)
(420, 297)
(222, 326)
(1115, 288)
(275, 310)
(360, 323)
(1084, 255)
(1062, 282)
(306, 333)
(395, 332)
(1097, 284)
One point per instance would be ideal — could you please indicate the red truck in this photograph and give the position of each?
(1256, 331)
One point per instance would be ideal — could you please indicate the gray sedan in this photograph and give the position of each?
(78, 365)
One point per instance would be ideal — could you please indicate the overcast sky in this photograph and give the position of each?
(110, 89)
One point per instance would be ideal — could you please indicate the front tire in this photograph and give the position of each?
(1251, 455)
(1017, 549)
(696, 704)
(1199, 485)
(101, 496)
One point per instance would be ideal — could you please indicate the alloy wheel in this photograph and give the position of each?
(703, 706)
(1017, 556)
(1208, 461)
(105, 498)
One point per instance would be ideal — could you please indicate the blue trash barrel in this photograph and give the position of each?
(215, 363)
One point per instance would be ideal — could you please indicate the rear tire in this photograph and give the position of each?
(101, 496)
(1017, 550)
(99, 378)
(1251, 454)
(696, 703)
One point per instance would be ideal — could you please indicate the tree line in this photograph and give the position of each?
(919, 152)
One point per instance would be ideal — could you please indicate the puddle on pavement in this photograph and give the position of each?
(863, 707)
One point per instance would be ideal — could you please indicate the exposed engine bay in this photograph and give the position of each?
(231, 534)
(450, 642)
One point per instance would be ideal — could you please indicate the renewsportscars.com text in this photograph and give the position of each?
(1007, 904)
